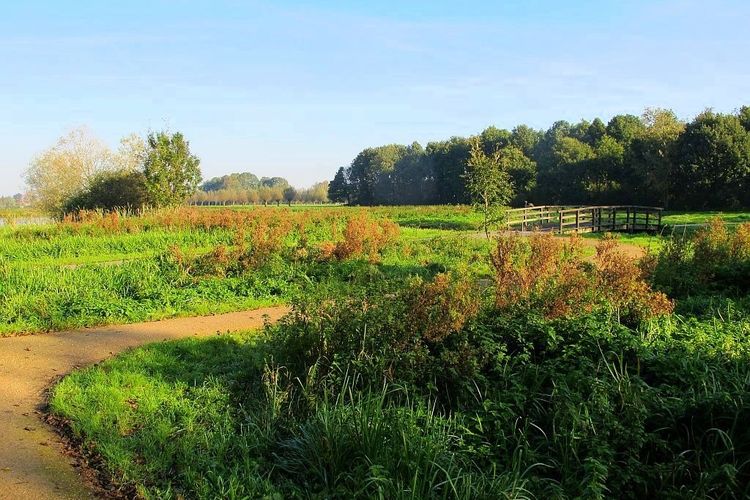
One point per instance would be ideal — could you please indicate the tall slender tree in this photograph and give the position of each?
(488, 184)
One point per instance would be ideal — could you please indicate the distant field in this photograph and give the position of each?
(454, 217)
(704, 217)
(11, 216)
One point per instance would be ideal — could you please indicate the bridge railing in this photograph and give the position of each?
(532, 218)
(562, 219)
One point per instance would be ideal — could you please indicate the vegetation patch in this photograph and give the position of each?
(523, 370)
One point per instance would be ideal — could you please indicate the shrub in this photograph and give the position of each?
(442, 306)
(109, 191)
(715, 259)
(622, 284)
(364, 236)
(550, 275)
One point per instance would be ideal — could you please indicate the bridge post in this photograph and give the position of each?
(578, 212)
(593, 219)
(560, 221)
(613, 213)
(631, 218)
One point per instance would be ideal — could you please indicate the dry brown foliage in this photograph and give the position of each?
(198, 218)
(365, 236)
(550, 274)
(542, 272)
(741, 242)
(715, 243)
(259, 234)
(443, 306)
(622, 283)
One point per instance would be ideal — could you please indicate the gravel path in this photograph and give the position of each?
(33, 464)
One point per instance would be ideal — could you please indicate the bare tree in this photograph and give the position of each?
(66, 168)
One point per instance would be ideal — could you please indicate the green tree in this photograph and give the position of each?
(448, 160)
(596, 131)
(494, 139)
(117, 190)
(338, 188)
(605, 175)
(525, 138)
(625, 128)
(244, 180)
(712, 160)
(571, 164)
(413, 178)
(274, 182)
(548, 165)
(488, 184)
(289, 195)
(744, 116)
(172, 172)
(522, 172)
(371, 174)
(650, 156)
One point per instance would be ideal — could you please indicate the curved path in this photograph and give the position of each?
(33, 464)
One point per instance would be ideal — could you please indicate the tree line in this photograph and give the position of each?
(248, 189)
(652, 159)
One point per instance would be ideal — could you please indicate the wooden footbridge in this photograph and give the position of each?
(583, 219)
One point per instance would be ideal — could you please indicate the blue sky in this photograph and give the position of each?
(298, 88)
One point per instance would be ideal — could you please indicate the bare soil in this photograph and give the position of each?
(35, 462)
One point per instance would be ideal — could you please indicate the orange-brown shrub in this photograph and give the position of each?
(549, 274)
(716, 244)
(217, 262)
(741, 242)
(247, 252)
(442, 306)
(542, 272)
(365, 236)
(195, 218)
(326, 250)
(622, 283)
(715, 258)
(259, 234)
(713, 243)
(266, 239)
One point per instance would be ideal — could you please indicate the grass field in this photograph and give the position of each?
(419, 360)
(111, 270)
(674, 218)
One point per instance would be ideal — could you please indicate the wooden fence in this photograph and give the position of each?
(581, 219)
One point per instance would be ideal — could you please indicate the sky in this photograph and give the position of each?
(298, 88)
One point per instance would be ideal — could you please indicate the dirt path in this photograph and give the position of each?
(629, 249)
(32, 460)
